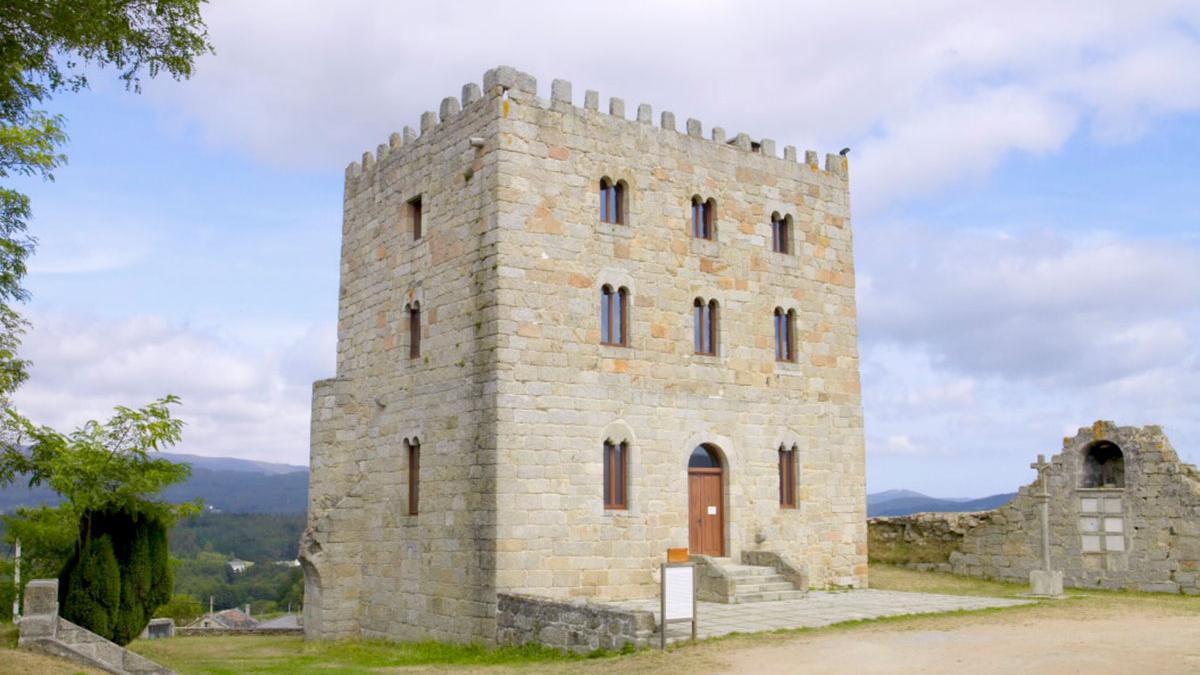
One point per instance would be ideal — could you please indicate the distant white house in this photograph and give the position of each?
(288, 563)
(238, 565)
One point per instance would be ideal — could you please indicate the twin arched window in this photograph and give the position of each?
(785, 335)
(704, 216)
(616, 475)
(614, 316)
(612, 201)
(705, 315)
(781, 233)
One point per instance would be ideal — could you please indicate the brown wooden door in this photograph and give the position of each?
(706, 512)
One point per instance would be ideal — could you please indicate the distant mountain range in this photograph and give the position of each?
(907, 502)
(225, 484)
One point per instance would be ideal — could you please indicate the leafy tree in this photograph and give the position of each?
(109, 481)
(48, 536)
(181, 607)
(45, 46)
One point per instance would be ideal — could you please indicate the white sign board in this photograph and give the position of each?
(678, 592)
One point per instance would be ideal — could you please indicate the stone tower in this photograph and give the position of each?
(477, 461)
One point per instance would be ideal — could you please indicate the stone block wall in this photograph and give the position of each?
(575, 626)
(371, 569)
(561, 393)
(44, 631)
(1148, 530)
(513, 396)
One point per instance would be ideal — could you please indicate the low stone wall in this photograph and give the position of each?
(44, 631)
(220, 632)
(574, 626)
(923, 541)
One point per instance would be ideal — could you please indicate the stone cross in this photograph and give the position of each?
(1041, 465)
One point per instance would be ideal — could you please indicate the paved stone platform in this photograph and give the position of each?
(819, 608)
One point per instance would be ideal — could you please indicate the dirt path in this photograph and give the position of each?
(1133, 643)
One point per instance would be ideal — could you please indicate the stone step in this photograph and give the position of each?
(781, 585)
(767, 596)
(748, 570)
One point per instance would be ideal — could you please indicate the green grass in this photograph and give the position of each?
(292, 654)
(8, 635)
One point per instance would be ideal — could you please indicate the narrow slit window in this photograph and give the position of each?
(414, 330)
(781, 233)
(414, 215)
(616, 475)
(702, 218)
(787, 477)
(414, 476)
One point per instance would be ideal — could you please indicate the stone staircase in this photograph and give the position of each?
(43, 630)
(722, 580)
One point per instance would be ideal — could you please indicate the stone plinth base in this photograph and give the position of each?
(1047, 583)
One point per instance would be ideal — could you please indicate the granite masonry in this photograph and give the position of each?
(492, 430)
(1124, 514)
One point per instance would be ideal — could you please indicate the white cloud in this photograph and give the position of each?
(926, 93)
(981, 350)
(237, 401)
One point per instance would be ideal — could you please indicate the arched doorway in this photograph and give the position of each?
(706, 502)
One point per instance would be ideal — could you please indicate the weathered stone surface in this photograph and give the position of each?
(513, 396)
(1157, 511)
(44, 631)
(575, 626)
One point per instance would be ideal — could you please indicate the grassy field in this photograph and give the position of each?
(270, 654)
(291, 654)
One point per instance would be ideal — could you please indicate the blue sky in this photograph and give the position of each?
(1024, 185)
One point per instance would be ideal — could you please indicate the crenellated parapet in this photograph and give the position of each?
(499, 82)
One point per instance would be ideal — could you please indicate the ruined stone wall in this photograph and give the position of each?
(561, 393)
(1147, 532)
(371, 569)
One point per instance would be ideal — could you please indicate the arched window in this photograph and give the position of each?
(703, 217)
(1103, 466)
(614, 316)
(413, 448)
(785, 335)
(781, 233)
(705, 334)
(616, 475)
(414, 330)
(704, 457)
(612, 201)
(787, 477)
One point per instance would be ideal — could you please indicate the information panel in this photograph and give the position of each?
(678, 591)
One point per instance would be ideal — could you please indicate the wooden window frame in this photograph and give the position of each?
(415, 217)
(616, 476)
(614, 316)
(787, 477)
(706, 334)
(414, 476)
(414, 330)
